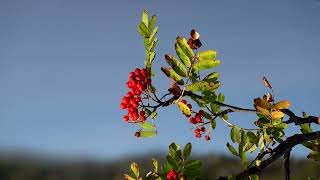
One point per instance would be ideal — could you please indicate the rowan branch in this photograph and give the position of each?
(299, 120)
(278, 152)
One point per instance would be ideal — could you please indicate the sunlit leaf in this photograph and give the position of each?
(263, 103)
(212, 77)
(314, 155)
(151, 23)
(169, 72)
(147, 134)
(234, 133)
(207, 55)
(147, 126)
(134, 169)
(184, 108)
(176, 65)
(155, 165)
(182, 42)
(143, 30)
(202, 86)
(277, 114)
(183, 57)
(205, 64)
(282, 105)
(144, 18)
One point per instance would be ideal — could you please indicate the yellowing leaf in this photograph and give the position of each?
(169, 72)
(282, 105)
(263, 103)
(277, 114)
(184, 108)
(262, 111)
(176, 65)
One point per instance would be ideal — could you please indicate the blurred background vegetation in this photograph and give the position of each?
(24, 166)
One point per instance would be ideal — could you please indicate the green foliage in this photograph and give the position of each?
(205, 64)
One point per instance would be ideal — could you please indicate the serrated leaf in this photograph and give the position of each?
(134, 169)
(193, 164)
(263, 103)
(155, 165)
(221, 98)
(143, 30)
(205, 64)
(232, 149)
(147, 126)
(151, 23)
(147, 134)
(314, 155)
(207, 55)
(144, 18)
(153, 34)
(183, 57)
(282, 105)
(176, 65)
(234, 133)
(182, 42)
(201, 86)
(172, 75)
(184, 108)
(187, 150)
(212, 77)
(277, 115)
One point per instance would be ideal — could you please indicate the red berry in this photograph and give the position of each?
(207, 137)
(189, 106)
(125, 118)
(197, 131)
(123, 106)
(172, 175)
(137, 71)
(132, 74)
(142, 113)
(138, 99)
(184, 101)
(125, 100)
(202, 129)
(198, 135)
(198, 119)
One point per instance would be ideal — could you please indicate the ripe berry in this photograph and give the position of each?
(123, 106)
(142, 113)
(189, 106)
(202, 129)
(207, 137)
(201, 112)
(198, 135)
(172, 175)
(197, 131)
(184, 101)
(125, 118)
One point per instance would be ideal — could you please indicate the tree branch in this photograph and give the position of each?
(300, 120)
(286, 164)
(278, 152)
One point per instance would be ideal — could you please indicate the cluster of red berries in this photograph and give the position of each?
(138, 83)
(172, 175)
(200, 130)
(197, 118)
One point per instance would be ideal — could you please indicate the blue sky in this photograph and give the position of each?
(64, 65)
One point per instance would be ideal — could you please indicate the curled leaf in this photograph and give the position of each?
(282, 105)
(263, 103)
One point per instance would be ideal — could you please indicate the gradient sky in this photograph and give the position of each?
(64, 65)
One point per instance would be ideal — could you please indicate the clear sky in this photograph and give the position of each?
(64, 65)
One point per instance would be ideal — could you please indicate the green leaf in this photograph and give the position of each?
(212, 77)
(314, 155)
(254, 177)
(134, 169)
(166, 168)
(153, 34)
(169, 72)
(183, 57)
(176, 65)
(182, 42)
(143, 30)
(184, 108)
(282, 126)
(144, 18)
(193, 164)
(153, 115)
(234, 134)
(232, 149)
(305, 128)
(206, 64)
(213, 124)
(242, 156)
(147, 134)
(151, 23)
(201, 86)
(207, 55)
(253, 138)
(147, 126)
(221, 98)
(187, 150)
(155, 165)
(172, 162)
(127, 177)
